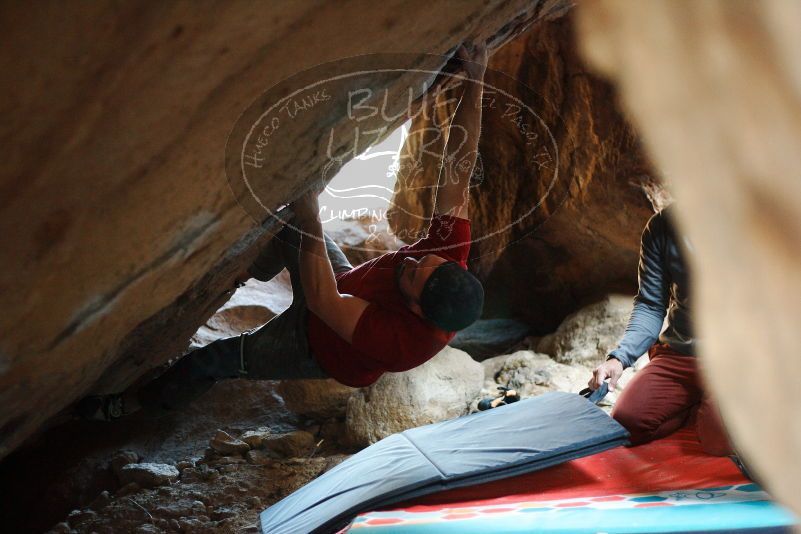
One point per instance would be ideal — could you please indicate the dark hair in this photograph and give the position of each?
(452, 298)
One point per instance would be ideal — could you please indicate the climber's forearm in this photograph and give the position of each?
(461, 152)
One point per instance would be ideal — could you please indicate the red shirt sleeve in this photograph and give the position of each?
(447, 236)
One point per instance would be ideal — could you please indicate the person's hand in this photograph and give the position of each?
(611, 369)
(306, 208)
(474, 59)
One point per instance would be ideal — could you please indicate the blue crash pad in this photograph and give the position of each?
(522, 437)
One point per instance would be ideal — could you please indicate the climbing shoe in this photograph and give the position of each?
(507, 396)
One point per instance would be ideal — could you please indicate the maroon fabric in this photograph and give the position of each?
(667, 394)
(388, 336)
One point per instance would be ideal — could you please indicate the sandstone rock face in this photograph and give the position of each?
(123, 236)
(441, 388)
(715, 89)
(562, 191)
(586, 336)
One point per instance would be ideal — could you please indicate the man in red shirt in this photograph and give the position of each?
(392, 313)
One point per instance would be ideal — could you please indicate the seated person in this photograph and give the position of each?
(392, 313)
(669, 391)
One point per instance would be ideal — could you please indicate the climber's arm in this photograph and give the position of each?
(340, 312)
(461, 148)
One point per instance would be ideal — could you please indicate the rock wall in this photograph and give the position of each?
(120, 233)
(561, 193)
(715, 89)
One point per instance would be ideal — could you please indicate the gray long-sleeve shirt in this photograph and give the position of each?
(663, 289)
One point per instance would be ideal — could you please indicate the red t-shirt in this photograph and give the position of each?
(388, 336)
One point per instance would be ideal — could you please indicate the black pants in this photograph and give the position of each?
(278, 350)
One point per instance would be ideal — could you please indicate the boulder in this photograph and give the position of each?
(715, 89)
(131, 236)
(315, 399)
(442, 388)
(587, 335)
(148, 475)
(489, 337)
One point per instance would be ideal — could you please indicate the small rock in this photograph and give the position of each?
(77, 517)
(149, 475)
(293, 444)
(255, 438)
(184, 464)
(128, 489)
(121, 459)
(201, 473)
(257, 457)
(101, 501)
(147, 528)
(253, 501)
(224, 443)
(191, 525)
(226, 460)
(60, 528)
(223, 512)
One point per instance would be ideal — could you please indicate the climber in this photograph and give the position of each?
(352, 324)
(668, 392)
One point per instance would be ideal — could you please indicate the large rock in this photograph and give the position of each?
(532, 374)
(586, 336)
(441, 388)
(124, 237)
(562, 191)
(715, 89)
